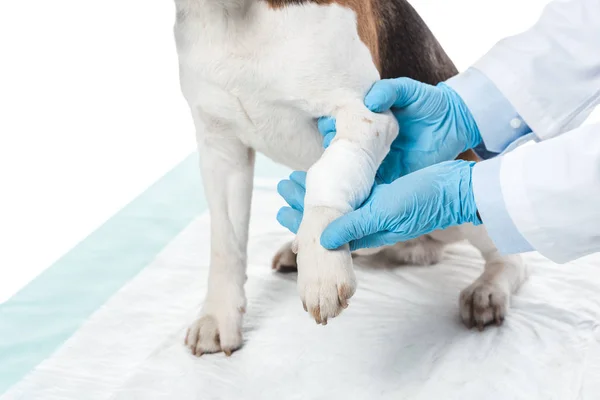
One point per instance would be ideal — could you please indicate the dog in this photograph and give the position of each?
(256, 75)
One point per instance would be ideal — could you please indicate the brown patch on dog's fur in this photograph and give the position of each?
(367, 26)
(407, 47)
(400, 42)
(468, 155)
(365, 15)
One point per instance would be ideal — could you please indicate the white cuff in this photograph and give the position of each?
(498, 122)
(492, 209)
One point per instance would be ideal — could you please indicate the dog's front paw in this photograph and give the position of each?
(483, 303)
(219, 328)
(326, 279)
(325, 294)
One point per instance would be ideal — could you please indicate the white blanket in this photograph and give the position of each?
(400, 338)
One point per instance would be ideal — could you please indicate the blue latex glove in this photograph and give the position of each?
(433, 198)
(293, 191)
(435, 125)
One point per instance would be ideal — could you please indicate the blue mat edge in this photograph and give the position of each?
(37, 320)
(43, 315)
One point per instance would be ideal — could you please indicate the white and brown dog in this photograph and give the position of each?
(257, 74)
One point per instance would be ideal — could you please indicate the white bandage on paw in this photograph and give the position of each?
(343, 177)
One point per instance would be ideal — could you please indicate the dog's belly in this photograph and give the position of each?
(285, 135)
(268, 83)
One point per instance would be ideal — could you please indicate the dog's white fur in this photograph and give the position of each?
(257, 78)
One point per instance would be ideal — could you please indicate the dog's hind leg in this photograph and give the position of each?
(423, 250)
(486, 300)
(285, 259)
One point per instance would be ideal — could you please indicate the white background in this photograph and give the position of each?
(91, 114)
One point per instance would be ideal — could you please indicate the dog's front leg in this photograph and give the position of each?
(227, 171)
(337, 184)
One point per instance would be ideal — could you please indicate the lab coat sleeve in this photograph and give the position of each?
(544, 196)
(498, 122)
(546, 79)
(551, 73)
(550, 194)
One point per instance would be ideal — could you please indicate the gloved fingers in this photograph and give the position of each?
(328, 139)
(293, 193)
(388, 93)
(379, 239)
(407, 158)
(326, 125)
(391, 168)
(415, 163)
(327, 128)
(414, 131)
(290, 218)
(350, 227)
(299, 177)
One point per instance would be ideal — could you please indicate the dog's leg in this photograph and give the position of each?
(487, 300)
(337, 184)
(227, 170)
(423, 250)
(285, 259)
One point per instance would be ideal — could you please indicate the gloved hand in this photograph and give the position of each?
(435, 125)
(433, 198)
(293, 191)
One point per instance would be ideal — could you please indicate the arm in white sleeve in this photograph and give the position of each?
(544, 196)
(498, 122)
(549, 74)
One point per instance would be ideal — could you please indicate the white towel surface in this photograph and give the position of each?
(401, 337)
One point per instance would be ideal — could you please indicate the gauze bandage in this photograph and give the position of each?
(342, 178)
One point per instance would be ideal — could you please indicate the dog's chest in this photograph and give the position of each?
(271, 74)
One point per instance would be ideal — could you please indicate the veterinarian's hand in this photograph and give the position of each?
(293, 191)
(435, 125)
(433, 198)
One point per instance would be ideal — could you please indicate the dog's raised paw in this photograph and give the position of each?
(326, 281)
(327, 297)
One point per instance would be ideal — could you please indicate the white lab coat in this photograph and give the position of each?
(551, 75)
